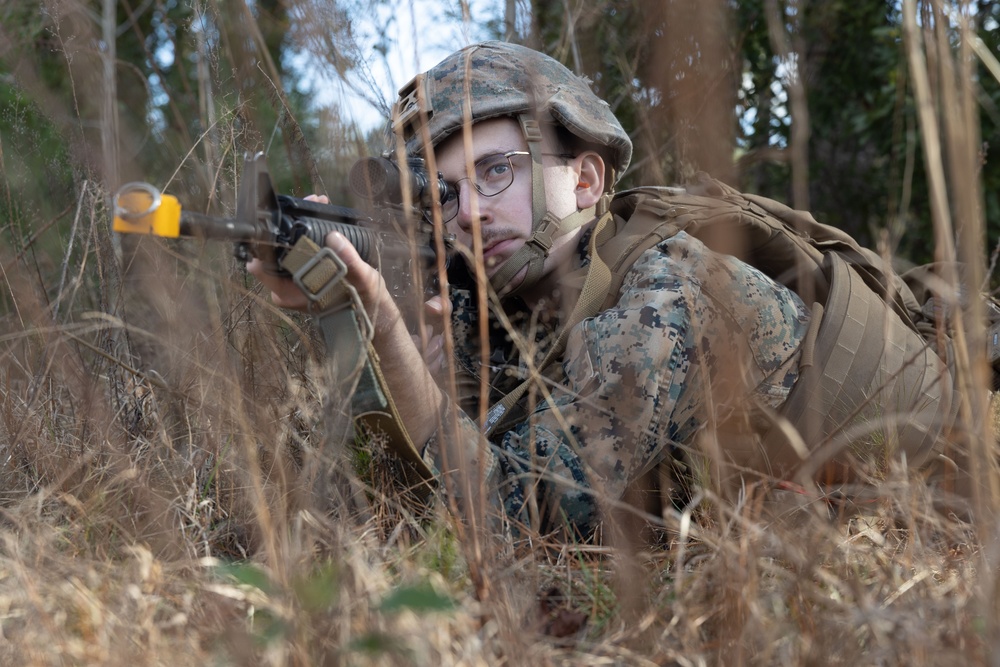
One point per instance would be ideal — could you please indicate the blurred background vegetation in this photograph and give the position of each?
(156, 413)
(701, 86)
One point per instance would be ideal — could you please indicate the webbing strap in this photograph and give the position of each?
(536, 249)
(347, 333)
(533, 253)
(533, 136)
(592, 295)
(342, 320)
(545, 227)
(649, 225)
(388, 421)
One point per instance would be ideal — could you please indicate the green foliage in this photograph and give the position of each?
(597, 590)
(989, 98)
(420, 598)
(699, 87)
(305, 605)
(309, 596)
(855, 155)
(36, 174)
(318, 591)
(377, 643)
(247, 574)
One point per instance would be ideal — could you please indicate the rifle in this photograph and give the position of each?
(396, 235)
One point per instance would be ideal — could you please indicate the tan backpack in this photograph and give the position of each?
(871, 383)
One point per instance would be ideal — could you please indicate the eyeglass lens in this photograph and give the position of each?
(491, 175)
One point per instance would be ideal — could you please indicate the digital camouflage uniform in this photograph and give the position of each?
(634, 382)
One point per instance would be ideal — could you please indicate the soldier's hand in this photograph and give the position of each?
(431, 343)
(365, 278)
(284, 292)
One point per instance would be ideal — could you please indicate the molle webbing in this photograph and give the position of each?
(875, 387)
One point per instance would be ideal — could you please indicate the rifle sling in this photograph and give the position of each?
(347, 333)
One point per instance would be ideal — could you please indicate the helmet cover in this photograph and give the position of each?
(503, 79)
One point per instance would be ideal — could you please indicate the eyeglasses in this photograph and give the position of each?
(491, 175)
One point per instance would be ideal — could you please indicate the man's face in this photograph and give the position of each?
(504, 220)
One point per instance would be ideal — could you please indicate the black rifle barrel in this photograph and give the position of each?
(201, 226)
(298, 217)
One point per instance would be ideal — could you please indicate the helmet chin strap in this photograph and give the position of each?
(546, 227)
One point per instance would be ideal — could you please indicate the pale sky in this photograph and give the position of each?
(420, 34)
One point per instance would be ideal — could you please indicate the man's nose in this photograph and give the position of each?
(470, 205)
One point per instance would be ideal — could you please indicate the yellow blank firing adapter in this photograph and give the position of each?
(142, 209)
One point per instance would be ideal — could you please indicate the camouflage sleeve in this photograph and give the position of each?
(637, 378)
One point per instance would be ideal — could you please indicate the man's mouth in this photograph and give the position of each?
(495, 252)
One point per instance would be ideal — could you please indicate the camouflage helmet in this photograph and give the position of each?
(506, 80)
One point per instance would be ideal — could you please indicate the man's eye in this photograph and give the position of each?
(493, 168)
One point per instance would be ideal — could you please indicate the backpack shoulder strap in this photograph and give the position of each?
(643, 218)
(720, 218)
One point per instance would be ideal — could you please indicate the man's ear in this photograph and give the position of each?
(590, 186)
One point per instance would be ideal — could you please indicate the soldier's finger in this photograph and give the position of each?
(436, 306)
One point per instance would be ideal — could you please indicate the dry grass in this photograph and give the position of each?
(211, 510)
(179, 486)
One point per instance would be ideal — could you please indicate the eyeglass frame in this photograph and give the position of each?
(453, 185)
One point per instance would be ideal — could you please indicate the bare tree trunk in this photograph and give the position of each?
(114, 341)
(109, 120)
(206, 100)
(794, 61)
(510, 20)
(108, 244)
(696, 59)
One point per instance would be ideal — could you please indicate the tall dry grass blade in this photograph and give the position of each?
(952, 106)
(933, 112)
